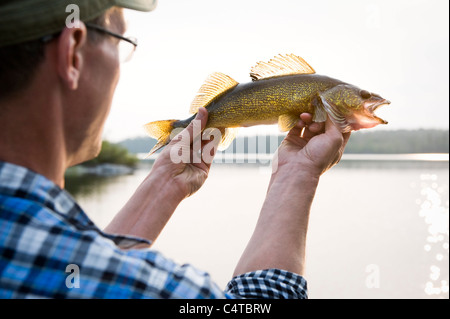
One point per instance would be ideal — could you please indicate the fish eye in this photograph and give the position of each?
(365, 94)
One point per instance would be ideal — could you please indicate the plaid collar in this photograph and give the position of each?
(20, 182)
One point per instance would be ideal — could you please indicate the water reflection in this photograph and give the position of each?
(405, 233)
(376, 164)
(86, 185)
(434, 210)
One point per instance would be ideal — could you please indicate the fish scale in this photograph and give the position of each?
(242, 105)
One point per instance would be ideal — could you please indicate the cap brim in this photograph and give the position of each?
(26, 20)
(139, 5)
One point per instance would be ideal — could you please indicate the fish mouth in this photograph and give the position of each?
(372, 106)
(356, 119)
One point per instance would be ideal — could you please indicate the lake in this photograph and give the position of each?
(379, 225)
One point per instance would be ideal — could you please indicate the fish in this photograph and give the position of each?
(281, 89)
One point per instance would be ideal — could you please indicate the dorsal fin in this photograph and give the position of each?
(216, 84)
(279, 66)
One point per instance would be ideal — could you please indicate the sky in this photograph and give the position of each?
(396, 48)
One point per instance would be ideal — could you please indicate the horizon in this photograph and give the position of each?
(253, 133)
(418, 141)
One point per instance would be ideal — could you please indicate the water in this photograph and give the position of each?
(379, 227)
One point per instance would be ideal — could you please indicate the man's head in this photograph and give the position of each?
(73, 69)
(20, 61)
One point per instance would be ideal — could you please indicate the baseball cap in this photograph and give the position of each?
(26, 20)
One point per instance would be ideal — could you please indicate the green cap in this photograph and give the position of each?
(26, 20)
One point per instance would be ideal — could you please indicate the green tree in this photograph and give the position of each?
(113, 154)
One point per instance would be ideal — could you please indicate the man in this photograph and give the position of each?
(56, 86)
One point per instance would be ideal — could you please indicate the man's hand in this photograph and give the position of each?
(169, 182)
(186, 176)
(311, 147)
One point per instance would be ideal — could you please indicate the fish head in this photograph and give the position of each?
(351, 108)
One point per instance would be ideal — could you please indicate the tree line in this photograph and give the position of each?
(363, 142)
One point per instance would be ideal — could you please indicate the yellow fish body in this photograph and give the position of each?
(281, 90)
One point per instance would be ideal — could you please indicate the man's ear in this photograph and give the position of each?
(71, 43)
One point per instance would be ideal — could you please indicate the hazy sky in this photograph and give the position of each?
(396, 48)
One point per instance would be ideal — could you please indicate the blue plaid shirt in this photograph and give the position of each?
(49, 248)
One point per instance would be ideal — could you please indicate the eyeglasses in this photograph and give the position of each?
(127, 46)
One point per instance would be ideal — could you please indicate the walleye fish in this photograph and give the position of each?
(281, 90)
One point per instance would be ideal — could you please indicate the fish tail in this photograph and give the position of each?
(159, 130)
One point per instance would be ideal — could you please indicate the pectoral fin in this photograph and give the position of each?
(320, 115)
